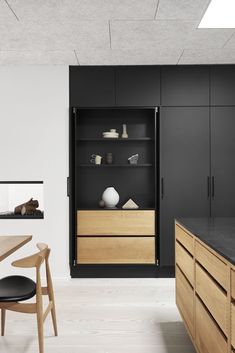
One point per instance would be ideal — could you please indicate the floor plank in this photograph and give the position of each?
(105, 316)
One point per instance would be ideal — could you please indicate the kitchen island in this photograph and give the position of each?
(205, 281)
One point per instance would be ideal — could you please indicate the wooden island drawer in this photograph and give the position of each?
(184, 299)
(233, 325)
(116, 222)
(209, 338)
(212, 264)
(115, 250)
(185, 262)
(233, 284)
(184, 238)
(213, 297)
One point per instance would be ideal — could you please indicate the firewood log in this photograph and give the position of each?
(29, 206)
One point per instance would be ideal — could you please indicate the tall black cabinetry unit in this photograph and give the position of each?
(195, 142)
(185, 170)
(112, 251)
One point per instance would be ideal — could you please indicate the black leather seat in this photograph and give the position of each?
(16, 288)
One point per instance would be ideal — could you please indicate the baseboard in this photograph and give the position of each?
(122, 271)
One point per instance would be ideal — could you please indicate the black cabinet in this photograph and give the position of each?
(138, 86)
(184, 171)
(185, 86)
(223, 85)
(222, 160)
(92, 86)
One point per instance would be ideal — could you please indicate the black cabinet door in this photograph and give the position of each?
(92, 86)
(223, 85)
(138, 86)
(185, 86)
(223, 161)
(184, 171)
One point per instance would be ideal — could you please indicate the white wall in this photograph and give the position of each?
(34, 103)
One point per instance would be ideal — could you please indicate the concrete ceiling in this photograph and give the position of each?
(110, 32)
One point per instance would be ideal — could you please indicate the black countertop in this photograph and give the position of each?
(217, 233)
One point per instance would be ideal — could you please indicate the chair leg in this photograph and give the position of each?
(40, 330)
(53, 315)
(3, 319)
(52, 299)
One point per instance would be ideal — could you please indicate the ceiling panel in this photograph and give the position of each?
(128, 57)
(181, 9)
(75, 10)
(208, 56)
(6, 15)
(165, 34)
(23, 57)
(50, 36)
(111, 32)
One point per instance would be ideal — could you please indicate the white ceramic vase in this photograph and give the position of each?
(110, 197)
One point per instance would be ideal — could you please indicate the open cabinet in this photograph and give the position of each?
(113, 241)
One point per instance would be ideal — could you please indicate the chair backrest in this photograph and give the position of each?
(34, 260)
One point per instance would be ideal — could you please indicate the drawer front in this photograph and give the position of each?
(185, 262)
(209, 338)
(213, 297)
(184, 238)
(116, 222)
(184, 299)
(233, 325)
(233, 284)
(116, 250)
(212, 264)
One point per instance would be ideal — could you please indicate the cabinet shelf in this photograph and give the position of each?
(114, 139)
(114, 165)
(115, 209)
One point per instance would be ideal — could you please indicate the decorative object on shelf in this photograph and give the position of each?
(101, 203)
(110, 197)
(124, 132)
(130, 204)
(111, 134)
(28, 208)
(133, 159)
(109, 158)
(95, 159)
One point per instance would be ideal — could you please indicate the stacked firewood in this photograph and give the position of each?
(28, 208)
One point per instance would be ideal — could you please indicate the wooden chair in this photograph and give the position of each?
(15, 289)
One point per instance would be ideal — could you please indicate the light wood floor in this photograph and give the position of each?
(105, 316)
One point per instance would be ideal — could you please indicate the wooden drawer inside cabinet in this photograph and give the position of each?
(115, 222)
(233, 284)
(209, 338)
(184, 238)
(213, 297)
(184, 299)
(116, 250)
(212, 264)
(233, 325)
(185, 262)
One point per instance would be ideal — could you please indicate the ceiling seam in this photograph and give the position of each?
(155, 14)
(76, 56)
(110, 36)
(180, 57)
(11, 9)
(226, 42)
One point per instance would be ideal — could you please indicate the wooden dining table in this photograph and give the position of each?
(10, 243)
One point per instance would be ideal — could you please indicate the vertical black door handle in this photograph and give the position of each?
(208, 187)
(162, 188)
(213, 187)
(68, 186)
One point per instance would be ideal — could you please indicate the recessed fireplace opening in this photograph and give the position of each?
(21, 200)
